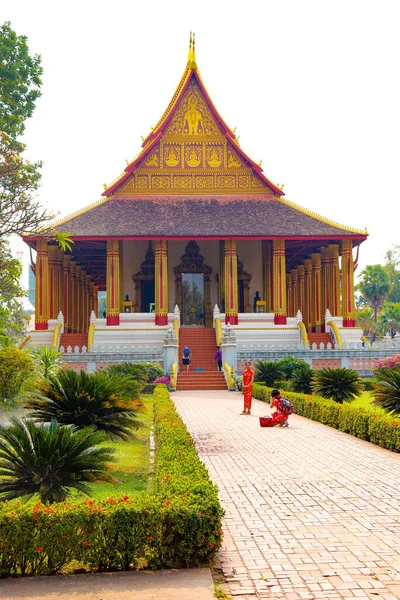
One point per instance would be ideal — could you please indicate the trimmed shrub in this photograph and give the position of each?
(16, 367)
(381, 430)
(178, 526)
(289, 364)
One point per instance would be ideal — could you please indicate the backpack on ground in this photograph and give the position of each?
(287, 406)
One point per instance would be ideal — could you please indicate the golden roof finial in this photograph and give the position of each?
(192, 53)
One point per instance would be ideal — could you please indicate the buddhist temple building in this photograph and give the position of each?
(194, 222)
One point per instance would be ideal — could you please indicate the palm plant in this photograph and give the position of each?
(387, 389)
(389, 318)
(268, 372)
(301, 379)
(374, 286)
(84, 400)
(49, 459)
(48, 360)
(340, 385)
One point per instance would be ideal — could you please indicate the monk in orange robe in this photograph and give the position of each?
(248, 378)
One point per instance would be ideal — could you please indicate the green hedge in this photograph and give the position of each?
(380, 430)
(177, 526)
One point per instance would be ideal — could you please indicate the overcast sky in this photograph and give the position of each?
(312, 88)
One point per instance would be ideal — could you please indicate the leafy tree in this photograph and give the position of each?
(374, 286)
(301, 379)
(49, 459)
(268, 372)
(389, 318)
(84, 400)
(47, 360)
(289, 364)
(12, 316)
(16, 368)
(340, 385)
(365, 320)
(392, 267)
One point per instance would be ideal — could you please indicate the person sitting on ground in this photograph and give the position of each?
(282, 414)
(218, 358)
(248, 378)
(186, 352)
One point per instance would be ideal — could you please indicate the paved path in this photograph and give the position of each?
(310, 512)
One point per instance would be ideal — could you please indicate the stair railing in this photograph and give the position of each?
(336, 334)
(229, 376)
(218, 331)
(59, 328)
(92, 328)
(173, 376)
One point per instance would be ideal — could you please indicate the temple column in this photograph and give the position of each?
(74, 295)
(334, 280)
(295, 291)
(96, 300)
(67, 293)
(279, 281)
(307, 315)
(42, 286)
(316, 291)
(60, 281)
(289, 294)
(300, 282)
(86, 313)
(161, 282)
(221, 278)
(52, 252)
(268, 280)
(231, 283)
(348, 311)
(112, 282)
(324, 284)
(78, 300)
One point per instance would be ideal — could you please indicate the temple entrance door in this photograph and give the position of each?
(147, 291)
(193, 298)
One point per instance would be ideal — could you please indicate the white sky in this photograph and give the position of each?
(311, 86)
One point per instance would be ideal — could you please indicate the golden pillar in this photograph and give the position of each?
(307, 316)
(295, 291)
(121, 278)
(60, 282)
(268, 282)
(52, 252)
(300, 285)
(96, 300)
(348, 310)
(112, 282)
(161, 282)
(231, 283)
(67, 293)
(78, 299)
(334, 280)
(279, 281)
(324, 284)
(221, 277)
(74, 296)
(42, 286)
(316, 291)
(289, 294)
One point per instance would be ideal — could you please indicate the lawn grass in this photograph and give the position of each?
(365, 401)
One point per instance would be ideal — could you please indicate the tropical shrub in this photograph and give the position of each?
(289, 364)
(84, 400)
(49, 459)
(301, 379)
(268, 372)
(47, 360)
(340, 385)
(178, 526)
(381, 430)
(387, 389)
(16, 368)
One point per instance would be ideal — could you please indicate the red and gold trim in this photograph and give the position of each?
(67, 293)
(42, 286)
(231, 283)
(279, 279)
(78, 299)
(295, 291)
(334, 280)
(161, 282)
(348, 309)
(300, 280)
(316, 291)
(74, 298)
(307, 316)
(112, 282)
(289, 294)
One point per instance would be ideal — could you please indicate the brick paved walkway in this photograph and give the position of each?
(310, 512)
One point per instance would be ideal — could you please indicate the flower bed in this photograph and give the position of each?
(178, 526)
(382, 430)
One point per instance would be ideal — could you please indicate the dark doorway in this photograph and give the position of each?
(241, 295)
(193, 298)
(147, 289)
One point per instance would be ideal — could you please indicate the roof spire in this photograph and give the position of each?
(192, 53)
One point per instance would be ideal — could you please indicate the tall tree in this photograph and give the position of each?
(389, 318)
(365, 319)
(374, 286)
(392, 267)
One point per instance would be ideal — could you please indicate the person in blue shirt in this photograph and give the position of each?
(186, 352)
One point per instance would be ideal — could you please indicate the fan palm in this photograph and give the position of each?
(49, 459)
(387, 390)
(301, 379)
(268, 372)
(337, 384)
(84, 400)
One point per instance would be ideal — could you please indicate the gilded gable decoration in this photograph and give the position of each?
(214, 156)
(192, 116)
(233, 160)
(172, 155)
(152, 161)
(193, 155)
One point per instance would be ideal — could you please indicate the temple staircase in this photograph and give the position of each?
(74, 339)
(318, 338)
(201, 342)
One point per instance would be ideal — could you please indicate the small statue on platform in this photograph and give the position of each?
(256, 299)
